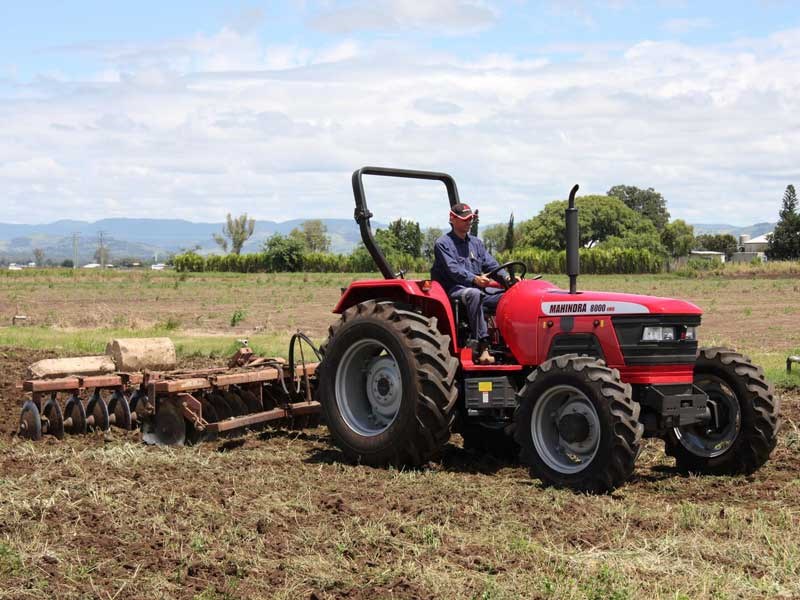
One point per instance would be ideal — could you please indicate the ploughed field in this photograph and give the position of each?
(284, 514)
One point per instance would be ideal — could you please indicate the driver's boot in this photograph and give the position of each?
(482, 355)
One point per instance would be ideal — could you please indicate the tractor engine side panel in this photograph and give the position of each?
(556, 333)
(533, 334)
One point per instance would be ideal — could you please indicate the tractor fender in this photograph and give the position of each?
(427, 296)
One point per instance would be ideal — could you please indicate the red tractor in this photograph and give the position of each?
(580, 377)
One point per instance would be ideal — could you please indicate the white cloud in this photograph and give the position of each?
(451, 16)
(682, 26)
(202, 126)
(434, 106)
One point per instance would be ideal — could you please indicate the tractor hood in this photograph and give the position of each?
(554, 301)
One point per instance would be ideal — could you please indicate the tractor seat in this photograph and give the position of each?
(460, 311)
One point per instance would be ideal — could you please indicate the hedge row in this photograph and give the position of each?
(314, 262)
(593, 261)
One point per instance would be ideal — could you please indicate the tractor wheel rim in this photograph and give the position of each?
(369, 388)
(712, 439)
(575, 452)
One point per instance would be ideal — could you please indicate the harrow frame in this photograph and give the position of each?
(187, 391)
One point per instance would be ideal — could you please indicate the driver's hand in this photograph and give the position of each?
(481, 281)
(517, 277)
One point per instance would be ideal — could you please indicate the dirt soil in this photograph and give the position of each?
(284, 514)
(13, 365)
(753, 314)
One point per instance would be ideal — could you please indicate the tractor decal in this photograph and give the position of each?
(592, 308)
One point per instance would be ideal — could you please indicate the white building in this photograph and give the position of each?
(708, 255)
(756, 244)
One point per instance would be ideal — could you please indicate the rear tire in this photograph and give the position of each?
(387, 385)
(744, 434)
(577, 425)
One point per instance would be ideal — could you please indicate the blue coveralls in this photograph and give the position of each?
(456, 263)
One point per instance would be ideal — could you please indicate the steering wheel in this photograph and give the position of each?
(506, 284)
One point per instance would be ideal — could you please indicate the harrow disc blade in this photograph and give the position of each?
(55, 419)
(238, 407)
(97, 414)
(166, 428)
(221, 406)
(74, 416)
(304, 422)
(209, 412)
(30, 421)
(119, 411)
(134, 402)
(269, 398)
(251, 400)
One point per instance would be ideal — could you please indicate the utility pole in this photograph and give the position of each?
(100, 242)
(75, 237)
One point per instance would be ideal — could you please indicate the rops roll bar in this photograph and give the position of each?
(363, 215)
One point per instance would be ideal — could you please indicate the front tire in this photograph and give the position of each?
(577, 425)
(387, 385)
(745, 418)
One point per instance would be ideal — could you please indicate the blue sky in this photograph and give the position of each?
(195, 109)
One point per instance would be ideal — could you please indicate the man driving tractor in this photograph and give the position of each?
(459, 265)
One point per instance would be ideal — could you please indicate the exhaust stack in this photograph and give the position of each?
(573, 242)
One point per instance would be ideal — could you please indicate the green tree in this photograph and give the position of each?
(387, 241)
(67, 263)
(648, 203)
(678, 238)
(429, 241)
(784, 241)
(599, 218)
(38, 256)
(509, 243)
(494, 237)
(409, 236)
(102, 255)
(721, 242)
(236, 231)
(284, 253)
(314, 235)
(643, 239)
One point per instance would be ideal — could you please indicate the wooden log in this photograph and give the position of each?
(65, 367)
(138, 354)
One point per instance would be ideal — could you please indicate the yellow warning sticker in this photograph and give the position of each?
(484, 386)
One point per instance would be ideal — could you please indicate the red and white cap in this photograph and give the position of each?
(461, 211)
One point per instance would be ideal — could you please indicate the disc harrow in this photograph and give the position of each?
(176, 407)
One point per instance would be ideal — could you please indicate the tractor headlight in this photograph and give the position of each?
(658, 334)
(669, 334)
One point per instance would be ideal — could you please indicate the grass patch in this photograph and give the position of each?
(237, 317)
(10, 561)
(284, 515)
(93, 341)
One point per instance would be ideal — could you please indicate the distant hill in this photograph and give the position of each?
(751, 230)
(146, 238)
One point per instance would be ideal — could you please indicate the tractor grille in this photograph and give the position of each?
(636, 352)
(585, 344)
